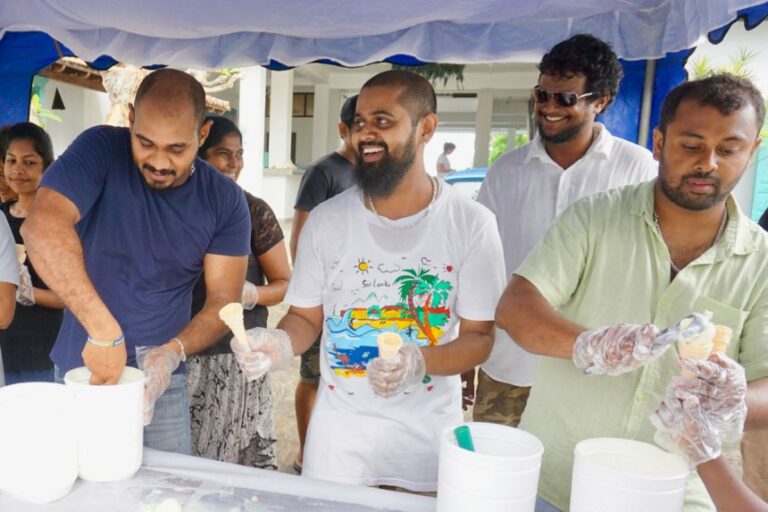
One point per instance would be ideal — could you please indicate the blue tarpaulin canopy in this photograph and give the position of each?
(236, 33)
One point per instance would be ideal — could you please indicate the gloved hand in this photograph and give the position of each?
(615, 349)
(682, 427)
(391, 376)
(158, 364)
(25, 293)
(269, 349)
(721, 387)
(250, 296)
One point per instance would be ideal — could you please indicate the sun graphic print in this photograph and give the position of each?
(363, 266)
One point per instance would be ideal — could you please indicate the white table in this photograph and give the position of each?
(199, 485)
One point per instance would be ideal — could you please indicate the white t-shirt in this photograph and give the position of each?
(443, 159)
(361, 267)
(526, 190)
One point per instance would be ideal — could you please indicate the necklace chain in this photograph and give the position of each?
(435, 187)
(720, 232)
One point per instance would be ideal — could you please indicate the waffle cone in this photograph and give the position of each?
(389, 344)
(232, 315)
(694, 351)
(21, 253)
(722, 338)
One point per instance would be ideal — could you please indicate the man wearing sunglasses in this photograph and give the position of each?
(571, 156)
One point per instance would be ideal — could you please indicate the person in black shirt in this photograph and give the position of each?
(327, 177)
(233, 419)
(27, 342)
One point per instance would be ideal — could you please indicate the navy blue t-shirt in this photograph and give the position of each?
(143, 248)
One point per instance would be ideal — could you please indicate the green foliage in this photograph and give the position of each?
(436, 71)
(738, 66)
(499, 145)
(41, 114)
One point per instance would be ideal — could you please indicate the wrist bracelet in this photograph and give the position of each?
(183, 353)
(107, 344)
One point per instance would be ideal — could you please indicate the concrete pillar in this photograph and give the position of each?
(320, 121)
(253, 96)
(335, 101)
(483, 118)
(280, 119)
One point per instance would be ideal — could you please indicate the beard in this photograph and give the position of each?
(379, 179)
(677, 195)
(562, 136)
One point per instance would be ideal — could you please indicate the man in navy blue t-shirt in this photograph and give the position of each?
(124, 223)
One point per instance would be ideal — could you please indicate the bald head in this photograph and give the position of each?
(175, 92)
(416, 94)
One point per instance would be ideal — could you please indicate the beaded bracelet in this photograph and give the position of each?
(107, 344)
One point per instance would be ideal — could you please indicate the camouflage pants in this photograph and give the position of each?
(309, 371)
(754, 449)
(499, 402)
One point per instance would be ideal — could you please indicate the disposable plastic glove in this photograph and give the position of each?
(391, 376)
(158, 364)
(682, 427)
(25, 292)
(269, 349)
(615, 349)
(721, 387)
(250, 296)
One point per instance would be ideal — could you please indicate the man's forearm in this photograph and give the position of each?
(529, 319)
(757, 404)
(463, 353)
(204, 330)
(56, 252)
(302, 331)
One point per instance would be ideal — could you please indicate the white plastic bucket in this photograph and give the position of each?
(38, 451)
(110, 425)
(502, 474)
(631, 476)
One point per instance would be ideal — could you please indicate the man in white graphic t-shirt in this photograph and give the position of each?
(399, 252)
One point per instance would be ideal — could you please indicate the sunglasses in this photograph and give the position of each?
(564, 99)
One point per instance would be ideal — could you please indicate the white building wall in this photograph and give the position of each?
(83, 108)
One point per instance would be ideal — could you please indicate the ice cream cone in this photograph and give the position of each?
(389, 344)
(698, 348)
(21, 253)
(232, 315)
(694, 351)
(722, 339)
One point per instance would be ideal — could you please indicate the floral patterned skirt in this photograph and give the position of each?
(232, 419)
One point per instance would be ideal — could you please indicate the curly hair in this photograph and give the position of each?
(584, 54)
(725, 92)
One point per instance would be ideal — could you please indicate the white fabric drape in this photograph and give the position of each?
(208, 34)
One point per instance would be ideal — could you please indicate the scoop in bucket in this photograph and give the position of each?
(232, 315)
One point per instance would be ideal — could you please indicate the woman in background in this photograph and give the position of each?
(27, 342)
(6, 194)
(233, 419)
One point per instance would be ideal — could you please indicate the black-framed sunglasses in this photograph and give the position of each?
(564, 99)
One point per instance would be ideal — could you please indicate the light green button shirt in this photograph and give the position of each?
(603, 262)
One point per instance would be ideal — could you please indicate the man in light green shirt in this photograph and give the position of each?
(637, 259)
